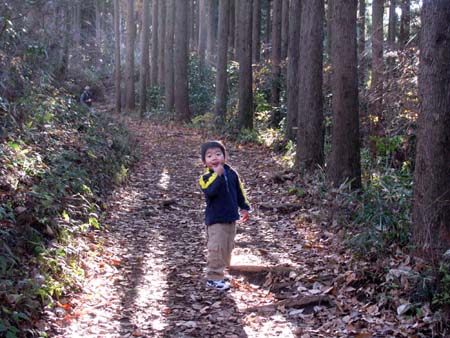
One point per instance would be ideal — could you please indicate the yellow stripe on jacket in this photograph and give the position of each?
(206, 184)
(243, 192)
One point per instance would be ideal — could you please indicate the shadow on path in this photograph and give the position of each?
(163, 291)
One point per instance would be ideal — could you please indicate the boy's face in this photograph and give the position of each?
(214, 158)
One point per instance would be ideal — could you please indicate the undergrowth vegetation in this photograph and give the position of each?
(59, 161)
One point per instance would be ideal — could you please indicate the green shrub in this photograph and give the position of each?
(58, 162)
(383, 208)
(201, 82)
(441, 297)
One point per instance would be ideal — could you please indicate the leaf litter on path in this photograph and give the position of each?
(145, 270)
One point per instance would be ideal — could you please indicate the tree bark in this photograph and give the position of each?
(431, 208)
(405, 22)
(284, 28)
(144, 58)
(211, 41)
(268, 21)
(256, 31)
(244, 28)
(169, 80)
(98, 32)
(292, 69)
(329, 19)
(202, 33)
(377, 66)
(310, 120)
(64, 64)
(344, 159)
(197, 23)
(181, 59)
(129, 66)
(276, 59)
(161, 42)
(231, 29)
(155, 38)
(221, 78)
(192, 24)
(362, 44)
(392, 27)
(117, 55)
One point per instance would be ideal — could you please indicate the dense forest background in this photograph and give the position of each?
(354, 94)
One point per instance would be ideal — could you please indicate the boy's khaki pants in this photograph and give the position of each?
(220, 245)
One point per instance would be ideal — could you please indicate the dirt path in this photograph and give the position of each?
(145, 274)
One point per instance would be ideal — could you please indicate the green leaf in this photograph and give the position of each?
(94, 223)
(13, 145)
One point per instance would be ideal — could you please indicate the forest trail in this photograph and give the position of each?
(145, 273)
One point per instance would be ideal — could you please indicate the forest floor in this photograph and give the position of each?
(291, 275)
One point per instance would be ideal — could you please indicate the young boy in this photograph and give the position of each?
(225, 195)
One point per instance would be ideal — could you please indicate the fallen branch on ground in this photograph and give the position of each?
(284, 208)
(299, 301)
(261, 268)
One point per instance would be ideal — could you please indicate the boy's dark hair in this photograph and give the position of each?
(212, 144)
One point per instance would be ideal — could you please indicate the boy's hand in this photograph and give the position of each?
(219, 170)
(244, 215)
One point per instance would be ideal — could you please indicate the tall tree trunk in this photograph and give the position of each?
(244, 28)
(392, 24)
(292, 69)
(362, 45)
(191, 20)
(231, 29)
(196, 26)
(77, 24)
(276, 59)
(161, 42)
(377, 66)
(98, 31)
(405, 22)
(256, 31)
(221, 78)
(329, 14)
(236, 28)
(117, 55)
(310, 136)
(202, 32)
(284, 28)
(75, 49)
(431, 209)
(169, 87)
(64, 65)
(268, 21)
(211, 41)
(181, 60)
(155, 38)
(129, 68)
(344, 159)
(144, 58)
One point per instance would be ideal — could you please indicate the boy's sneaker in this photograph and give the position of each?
(218, 284)
(227, 278)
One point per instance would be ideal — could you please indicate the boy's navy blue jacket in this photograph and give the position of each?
(224, 196)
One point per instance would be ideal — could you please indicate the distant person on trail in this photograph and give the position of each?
(225, 200)
(86, 97)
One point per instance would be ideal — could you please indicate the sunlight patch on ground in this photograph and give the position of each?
(122, 285)
(245, 257)
(151, 294)
(164, 180)
(273, 326)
